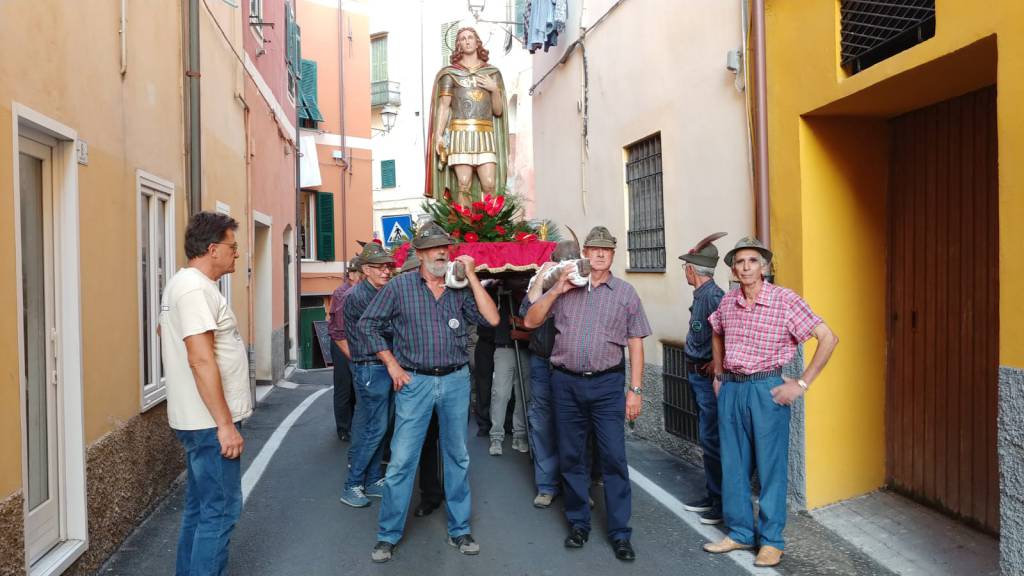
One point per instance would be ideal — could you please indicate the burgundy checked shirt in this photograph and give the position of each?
(336, 323)
(592, 326)
(764, 336)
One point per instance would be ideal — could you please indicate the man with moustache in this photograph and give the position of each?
(757, 328)
(427, 365)
(371, 383)
(593, 325)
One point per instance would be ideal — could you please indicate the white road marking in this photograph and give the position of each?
(744, 559)
(259, 464)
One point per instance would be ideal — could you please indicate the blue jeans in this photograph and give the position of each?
(754, 430)
(213, 502)
(543, 435)
(414, 404)
(373, 400)
(707, 418)
(597, 404)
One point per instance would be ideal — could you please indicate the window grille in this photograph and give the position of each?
(680, 406)
(646, 234)
(873, 30)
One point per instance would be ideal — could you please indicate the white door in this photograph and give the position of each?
(39, 337)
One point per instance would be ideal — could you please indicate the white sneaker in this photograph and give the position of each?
(495, 449)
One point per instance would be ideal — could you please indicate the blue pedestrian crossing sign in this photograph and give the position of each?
(397, 229)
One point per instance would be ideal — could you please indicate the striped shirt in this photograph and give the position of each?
(336, 323)
(764, 336)
(593, 325)
(698, 339)
(356, 301)
(428, 332)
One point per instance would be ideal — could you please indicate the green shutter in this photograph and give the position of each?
(308, 108)
(325, 226)
(449, 31)
(518, 19)
(379, 59)
(387, 173)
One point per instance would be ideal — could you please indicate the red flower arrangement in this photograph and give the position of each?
(493, 219)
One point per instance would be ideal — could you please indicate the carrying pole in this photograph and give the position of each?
(521, 390)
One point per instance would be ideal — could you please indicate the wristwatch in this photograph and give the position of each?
(802, 384)
(636, 390)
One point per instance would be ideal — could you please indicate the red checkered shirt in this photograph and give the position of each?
(763, 336)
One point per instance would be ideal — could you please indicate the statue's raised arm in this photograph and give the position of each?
(467, 148)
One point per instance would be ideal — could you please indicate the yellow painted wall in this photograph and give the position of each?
(223, 137)
(844, 175)
(63, 61)
(816, 191)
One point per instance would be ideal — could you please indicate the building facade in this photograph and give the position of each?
(641, 128)
(124, 118)
(895, 192)
(410, 43)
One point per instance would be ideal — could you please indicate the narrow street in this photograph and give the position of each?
(293, 523)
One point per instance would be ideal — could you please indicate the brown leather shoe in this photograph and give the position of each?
(726, 545)
(768, 556)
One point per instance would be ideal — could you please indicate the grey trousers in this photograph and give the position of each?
(505, 381)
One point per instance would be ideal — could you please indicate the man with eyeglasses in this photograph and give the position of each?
(207, 373)
(371, 382)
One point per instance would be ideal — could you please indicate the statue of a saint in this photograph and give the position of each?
(469, 104)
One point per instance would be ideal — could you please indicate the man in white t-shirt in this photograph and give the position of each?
(207, 374)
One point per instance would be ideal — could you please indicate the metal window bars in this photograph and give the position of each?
(873, 30)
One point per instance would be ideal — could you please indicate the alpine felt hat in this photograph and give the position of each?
(431, 235)
(374, 253)
(748, 243)
(599, 237)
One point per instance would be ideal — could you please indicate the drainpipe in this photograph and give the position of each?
(346, 157)
(762, 205)
(195, 157)
(297, 304)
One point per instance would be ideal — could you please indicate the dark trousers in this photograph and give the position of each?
(483, 379)
(707, 418)
(431, 488)
(344, 394)
(598, 404)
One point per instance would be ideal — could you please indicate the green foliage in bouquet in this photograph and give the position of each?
(493, 219)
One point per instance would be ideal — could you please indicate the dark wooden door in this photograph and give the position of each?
(942, 391)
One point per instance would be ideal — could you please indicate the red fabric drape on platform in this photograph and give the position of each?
(497, 256)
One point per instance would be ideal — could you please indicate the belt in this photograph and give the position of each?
(471, 124)
(440, 371)
(594, 374)
(734, 377)
(692, 365)
(368, 362)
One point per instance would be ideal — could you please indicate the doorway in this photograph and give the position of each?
(942, 392)
(263, 284)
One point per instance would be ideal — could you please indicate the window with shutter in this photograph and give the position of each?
(449, 31)
(325, 226)
(309, 109)
(379, 58)
(387, 173)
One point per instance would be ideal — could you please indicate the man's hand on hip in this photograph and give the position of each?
(231, 442)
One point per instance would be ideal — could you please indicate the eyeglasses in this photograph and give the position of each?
(378, 267)
(232, 245)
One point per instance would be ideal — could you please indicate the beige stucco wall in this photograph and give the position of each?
(63, 61)
(672, 79)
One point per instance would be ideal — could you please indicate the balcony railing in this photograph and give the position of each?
(385, 93)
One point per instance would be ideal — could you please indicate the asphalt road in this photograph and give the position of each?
(293, 524)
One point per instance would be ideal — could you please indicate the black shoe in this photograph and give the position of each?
(577, 538)
(425, 508)
(344, 436)
(624, 550)
(482, 432)
(702, 505)
(713, 516)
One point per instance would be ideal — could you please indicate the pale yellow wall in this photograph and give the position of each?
(63, 61)
(649, 74)
(224, 146)
(818, 187)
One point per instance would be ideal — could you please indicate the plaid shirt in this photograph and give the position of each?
(428, 332)
(356, 301)
(593, 325)
(336, 324)
(764, 336)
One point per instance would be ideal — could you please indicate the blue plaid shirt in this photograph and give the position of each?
(428, 332)
(356, 301)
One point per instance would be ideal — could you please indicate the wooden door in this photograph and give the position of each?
(942, 391)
